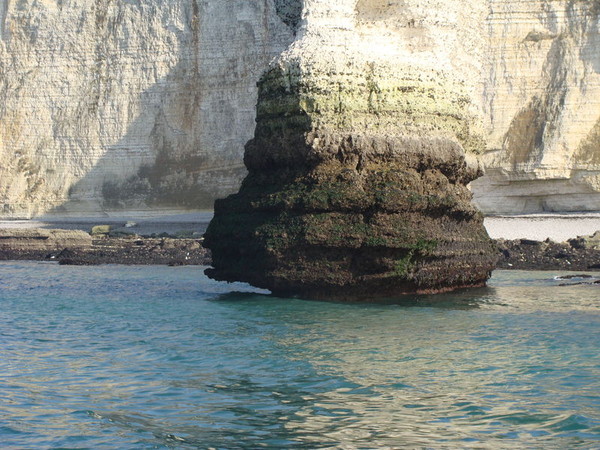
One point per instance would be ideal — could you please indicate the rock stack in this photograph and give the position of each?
(358, 171)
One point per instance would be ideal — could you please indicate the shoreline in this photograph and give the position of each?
(518, 254)
(558, 227)
(143, 225)
(74, 247)
(528, 242)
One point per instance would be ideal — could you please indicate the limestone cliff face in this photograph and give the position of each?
(118, 104)
(360, 159)
(542, 101)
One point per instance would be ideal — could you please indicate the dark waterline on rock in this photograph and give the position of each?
(162, 357)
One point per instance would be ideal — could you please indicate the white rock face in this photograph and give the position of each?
(542, 100)
(108, 105)
(409, 68)
(431, 35)
(127, 104)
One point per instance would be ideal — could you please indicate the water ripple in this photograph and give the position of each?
(157, 357)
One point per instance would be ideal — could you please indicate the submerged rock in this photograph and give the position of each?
(358, 170)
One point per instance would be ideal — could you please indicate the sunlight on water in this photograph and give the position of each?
(162, 357)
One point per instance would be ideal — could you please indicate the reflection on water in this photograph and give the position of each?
(162, 357)
(435, 374)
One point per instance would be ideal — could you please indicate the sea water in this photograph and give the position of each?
(162, 357)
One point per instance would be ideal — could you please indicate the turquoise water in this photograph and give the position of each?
(162, 357)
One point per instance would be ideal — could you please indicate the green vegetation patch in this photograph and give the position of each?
(406, 264)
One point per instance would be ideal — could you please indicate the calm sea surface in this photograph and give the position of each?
(160, 357)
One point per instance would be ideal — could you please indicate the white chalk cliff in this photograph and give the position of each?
(129, 104)
(542, 103)
(147, 104)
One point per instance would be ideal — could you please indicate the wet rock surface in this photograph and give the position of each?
(355, 225)
(42, 240)
(524, 254)
(123, 249)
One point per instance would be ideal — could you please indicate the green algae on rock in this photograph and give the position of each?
(342, 231)
(358, 173)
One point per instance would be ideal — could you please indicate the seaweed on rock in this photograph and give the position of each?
(333, 212)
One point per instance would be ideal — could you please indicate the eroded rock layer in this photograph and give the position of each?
(27, 241)
(376, 218)
(358, 168)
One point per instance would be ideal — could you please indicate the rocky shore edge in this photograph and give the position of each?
(72, 247)
(580, 254)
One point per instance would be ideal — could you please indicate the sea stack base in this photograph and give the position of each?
(377, 219)
(358, 170)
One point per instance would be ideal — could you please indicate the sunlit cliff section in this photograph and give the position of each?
(108, 105)
(112, 105)
(542, 101)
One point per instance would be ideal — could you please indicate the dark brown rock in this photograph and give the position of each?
(78, 248)
(330, 214)
(342, 231)
(547, 255)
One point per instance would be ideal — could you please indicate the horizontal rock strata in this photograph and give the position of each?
(358, 169)
(79, 248)
(111, 105)
(41, 240)
(390, 226)
(147, 105)
(542, 103)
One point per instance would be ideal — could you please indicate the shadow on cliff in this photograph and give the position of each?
(591, 28)
(166, 159)
(160, 160)
(539, 121)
